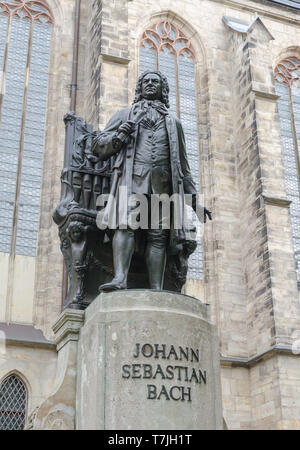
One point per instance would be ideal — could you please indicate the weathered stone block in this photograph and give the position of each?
(148, 360)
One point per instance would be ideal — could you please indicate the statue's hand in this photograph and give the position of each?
(92, 158)
(123, 132)
(201, 211)
(208, 214)
(126, 128)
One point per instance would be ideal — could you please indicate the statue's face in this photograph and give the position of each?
(76, 234)
(151, 87)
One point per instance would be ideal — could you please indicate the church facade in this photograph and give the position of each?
(234, 72)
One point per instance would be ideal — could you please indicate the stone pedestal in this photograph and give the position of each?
(148, 360)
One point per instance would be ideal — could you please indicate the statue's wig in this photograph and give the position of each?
(164, 92)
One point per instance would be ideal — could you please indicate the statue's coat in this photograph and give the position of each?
(182, 182)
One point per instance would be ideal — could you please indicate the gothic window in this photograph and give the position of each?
(13, 403)
(25, 32)
(287, 77)
(164, 47)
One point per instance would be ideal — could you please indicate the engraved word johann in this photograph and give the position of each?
(172, 367)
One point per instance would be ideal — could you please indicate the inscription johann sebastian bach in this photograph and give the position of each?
(175, 372)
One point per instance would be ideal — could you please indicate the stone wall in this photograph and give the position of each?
(35, 365)
(92, 61)
(48, 297)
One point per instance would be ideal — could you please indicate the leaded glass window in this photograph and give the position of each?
(13, 403)
(164, 47)
(287, 77)
(25, 32)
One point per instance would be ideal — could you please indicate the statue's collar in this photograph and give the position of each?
(156, 104)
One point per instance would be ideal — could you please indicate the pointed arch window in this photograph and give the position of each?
(25, 33)
(287, 85)
(165, 47)
(13, 403)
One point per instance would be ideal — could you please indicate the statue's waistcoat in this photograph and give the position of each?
(151, 165)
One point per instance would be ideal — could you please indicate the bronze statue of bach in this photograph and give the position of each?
(149, 145)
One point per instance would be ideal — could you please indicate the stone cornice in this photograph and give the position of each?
(263, 12)
(115, 59)
(276, 201)
(241, 26)
(284, 3)
(250, 362)
(265, 95)
(67, 326)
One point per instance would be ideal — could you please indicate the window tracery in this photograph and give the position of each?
(25, 34)
(32, 9)
(287, 78)
(13, 403)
